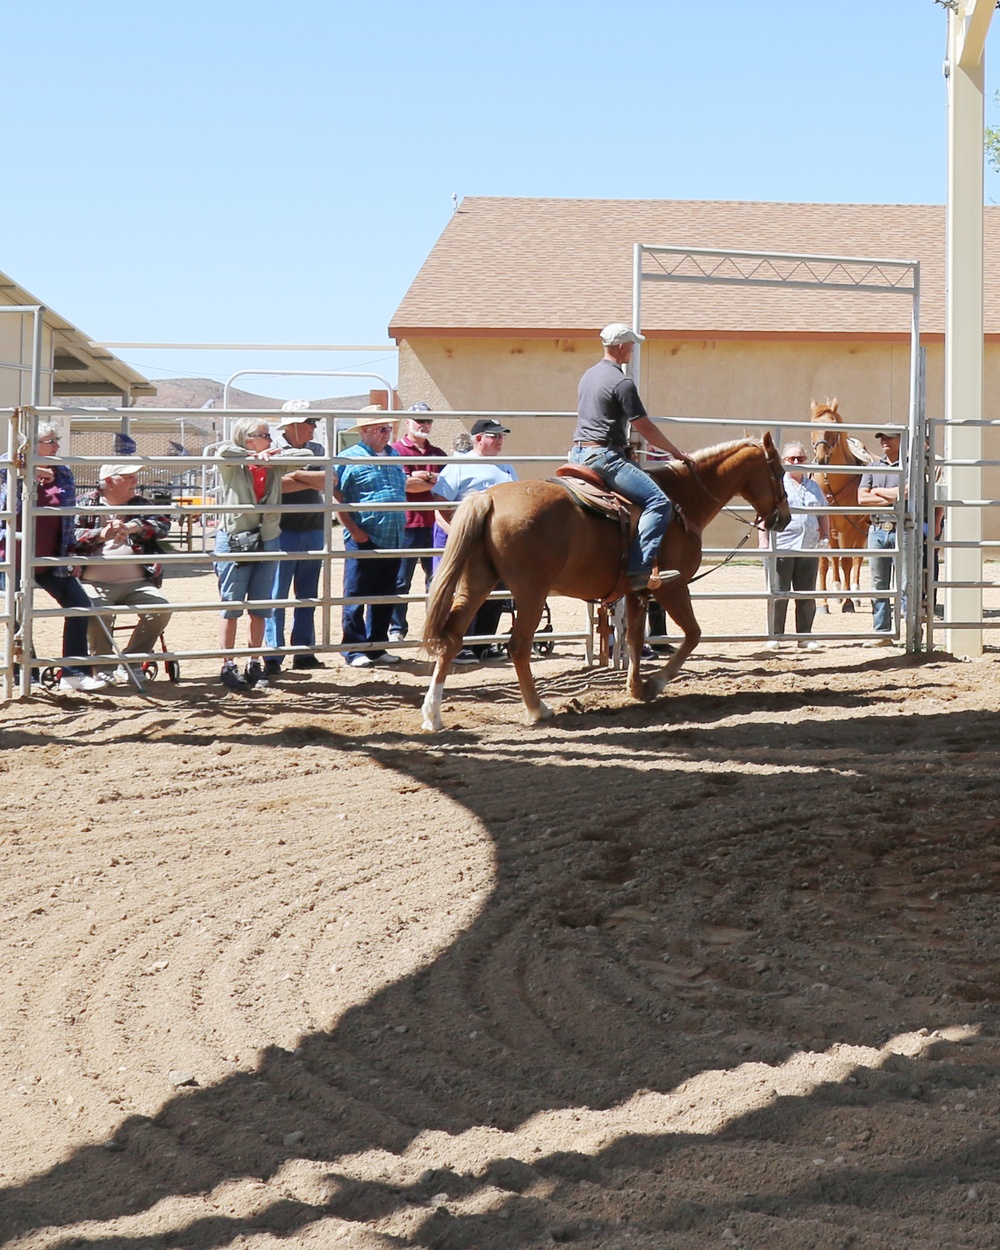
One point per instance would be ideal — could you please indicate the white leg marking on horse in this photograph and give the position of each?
(431, 707)
(542, 712)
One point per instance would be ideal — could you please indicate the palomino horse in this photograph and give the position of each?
(832, 447)
(533, 537)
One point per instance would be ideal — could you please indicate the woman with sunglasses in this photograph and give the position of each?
(55, 537)
(792, 570)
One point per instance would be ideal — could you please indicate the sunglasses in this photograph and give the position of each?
(796, 459)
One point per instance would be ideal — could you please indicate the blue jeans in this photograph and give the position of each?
(367, 622)
(243, 579)
(881, 569)
(302, 577)
(628, 479)
(68, 592)
(419, 536)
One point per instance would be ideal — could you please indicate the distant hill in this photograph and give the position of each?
(200, 392)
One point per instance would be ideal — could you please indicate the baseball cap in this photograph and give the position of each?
(118, 470)
(618, 332)
(887, 434)
(486, 425)
(419, 406)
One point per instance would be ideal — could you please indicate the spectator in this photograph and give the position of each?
(300, 531)
(791, 569)
(128, 576)
(251, 471)
(418, 529)
(461, 444)
(881, 490)
(371, 528)
(54, 536)
(469, 477)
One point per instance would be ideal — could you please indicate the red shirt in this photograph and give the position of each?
(407, 447)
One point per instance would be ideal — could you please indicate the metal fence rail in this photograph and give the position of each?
(21, 613)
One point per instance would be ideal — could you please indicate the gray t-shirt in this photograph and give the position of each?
(607, 401)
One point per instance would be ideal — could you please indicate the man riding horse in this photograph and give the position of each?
(607, 403)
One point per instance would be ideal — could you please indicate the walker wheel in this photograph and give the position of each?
(544, 646)
(149, 669)
(49, 677)
(173, 670)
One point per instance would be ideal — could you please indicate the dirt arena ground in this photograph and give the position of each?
(722, 970)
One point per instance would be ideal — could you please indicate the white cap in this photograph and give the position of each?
(618, 332)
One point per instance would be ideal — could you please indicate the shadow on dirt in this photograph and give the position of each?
(697, 902)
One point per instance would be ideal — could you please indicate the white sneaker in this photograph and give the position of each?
(360, 661)
(395, 635)
(773, 645)
(808, 646)
(121, 676)
(73, 682)
(383, 661)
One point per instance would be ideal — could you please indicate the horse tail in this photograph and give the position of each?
(466, 540)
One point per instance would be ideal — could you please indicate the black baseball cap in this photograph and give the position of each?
(486, 425)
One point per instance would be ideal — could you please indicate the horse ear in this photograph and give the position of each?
(814, 407)
(833, 404)
(768, 441)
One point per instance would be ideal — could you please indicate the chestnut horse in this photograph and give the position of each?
(538, 541)
(832, 447)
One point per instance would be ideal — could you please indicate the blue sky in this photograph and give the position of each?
(250, 172)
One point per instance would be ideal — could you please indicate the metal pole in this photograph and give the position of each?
(306, 373)
(968, 24)
(913, 480)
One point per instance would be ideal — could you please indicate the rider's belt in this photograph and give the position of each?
(888, 526)
(616, 446)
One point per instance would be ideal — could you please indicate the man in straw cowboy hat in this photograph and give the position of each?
(371, 528)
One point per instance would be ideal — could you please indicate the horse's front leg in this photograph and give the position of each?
(430, 709)
(676, 599)
(824, 568)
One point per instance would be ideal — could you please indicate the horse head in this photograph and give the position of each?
(766, 491)
(824, 441)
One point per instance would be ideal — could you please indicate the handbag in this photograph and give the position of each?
(246, 540)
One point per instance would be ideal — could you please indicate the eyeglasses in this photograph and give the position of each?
(48, 440)
(379, 429)
(422, 420)
(267, 436)
(796, 459)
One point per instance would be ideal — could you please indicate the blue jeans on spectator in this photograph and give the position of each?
(628, 479)
(881, 570)
(68, 592)
(302, 577)
(367, 622)
(419, 536)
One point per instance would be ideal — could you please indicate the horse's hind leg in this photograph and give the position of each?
(529, 612)
(822, 607)
(677, 601)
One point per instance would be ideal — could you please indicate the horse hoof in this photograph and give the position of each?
(542, 712)
(848, 605)
(432, 727)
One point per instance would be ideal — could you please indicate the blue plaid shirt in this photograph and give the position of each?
(374, 484)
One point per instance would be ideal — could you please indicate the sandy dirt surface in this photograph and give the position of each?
(721, 970)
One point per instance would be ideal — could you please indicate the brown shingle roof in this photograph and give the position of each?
(537, 267)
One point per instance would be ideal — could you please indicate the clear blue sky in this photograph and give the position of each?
(250, 172)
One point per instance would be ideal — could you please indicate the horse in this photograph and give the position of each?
(833, 447)
(539, 542)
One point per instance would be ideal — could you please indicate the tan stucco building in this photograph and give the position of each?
(504, 314)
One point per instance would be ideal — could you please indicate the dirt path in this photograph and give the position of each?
(721, 970)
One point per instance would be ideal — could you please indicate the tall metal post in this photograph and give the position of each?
(968, 24)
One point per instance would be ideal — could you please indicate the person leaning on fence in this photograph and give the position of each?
(418, 528)
(881, 490)
(55, 536)
(128, 574)
(251, 470)
(792, 569)
(371, 528)
(468, 477)
(300, 531)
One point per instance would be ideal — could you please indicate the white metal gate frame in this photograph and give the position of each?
(799, 271)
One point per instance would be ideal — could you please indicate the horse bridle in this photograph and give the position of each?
(780, 496)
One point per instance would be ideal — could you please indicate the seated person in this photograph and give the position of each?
(127, 576)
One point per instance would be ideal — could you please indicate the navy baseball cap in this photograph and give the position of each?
(486, 425)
